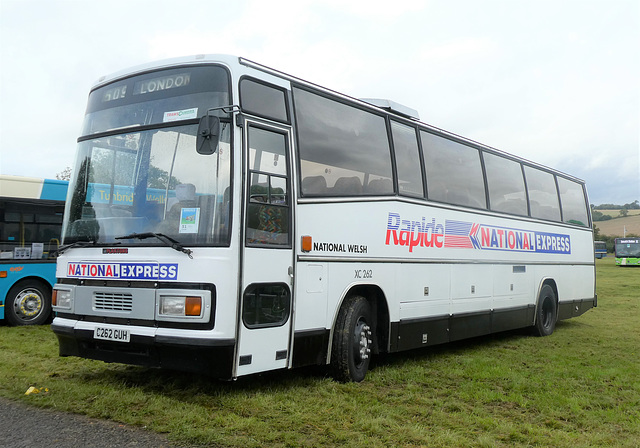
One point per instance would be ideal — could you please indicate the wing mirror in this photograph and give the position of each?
(208, 135)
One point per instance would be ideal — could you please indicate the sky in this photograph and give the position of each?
(556, 82)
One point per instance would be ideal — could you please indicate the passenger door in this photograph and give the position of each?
(266, 303)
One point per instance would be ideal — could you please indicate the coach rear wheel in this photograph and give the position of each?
(352, 340)
(28, 303)
(547, 312)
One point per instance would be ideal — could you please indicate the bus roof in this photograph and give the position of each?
(386, 105)
(165, 63)
(33, 188)
(394, 107)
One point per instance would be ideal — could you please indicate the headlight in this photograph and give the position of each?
(62, 298)
(180, 306)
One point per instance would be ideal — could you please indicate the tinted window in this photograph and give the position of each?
(268, 208)
(543, 196)
(266, 305)
(405, 143)
(263, 100)
(506, 185)
(574, 206)
(344, 151)
(454, 173)
(25, 223)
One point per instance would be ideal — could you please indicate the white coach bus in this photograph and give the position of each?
(226, 218)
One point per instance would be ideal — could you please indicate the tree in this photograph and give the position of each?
(624, 212)
(65, 174)
(635, 205)
(596, 232)
(158, 178)
(599, 216)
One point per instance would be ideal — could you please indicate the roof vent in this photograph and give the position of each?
(393, 107)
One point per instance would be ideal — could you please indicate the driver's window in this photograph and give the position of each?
(268, 214)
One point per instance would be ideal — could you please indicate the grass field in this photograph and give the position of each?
(579, 387)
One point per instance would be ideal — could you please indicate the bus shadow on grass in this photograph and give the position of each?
(182, 386)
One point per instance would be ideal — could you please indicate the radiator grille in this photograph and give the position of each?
(112, 301)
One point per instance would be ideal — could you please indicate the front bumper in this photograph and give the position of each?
(149, 347)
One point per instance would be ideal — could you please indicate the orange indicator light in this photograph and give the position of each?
(307, 243)
(192, 306)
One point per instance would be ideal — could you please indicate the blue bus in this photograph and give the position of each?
(31, 211)
(600, 249)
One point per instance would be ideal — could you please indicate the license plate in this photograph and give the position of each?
(111, 334)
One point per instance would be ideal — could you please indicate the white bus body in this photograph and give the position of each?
(292, 249)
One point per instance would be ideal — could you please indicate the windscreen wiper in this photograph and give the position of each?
(83, 243)
(174, 244)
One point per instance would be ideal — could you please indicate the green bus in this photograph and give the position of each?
(628, 251)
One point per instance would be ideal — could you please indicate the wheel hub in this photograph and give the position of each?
(363, 341)
(28, 304)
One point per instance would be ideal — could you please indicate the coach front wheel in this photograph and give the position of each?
(28, 303)
(352, 340)
(547, 312)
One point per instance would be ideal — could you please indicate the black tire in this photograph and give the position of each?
(352, 341)
(28, 303)
(546, 313)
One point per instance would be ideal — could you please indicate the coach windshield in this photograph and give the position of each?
(137, 169)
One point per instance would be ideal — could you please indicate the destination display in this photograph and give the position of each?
(115, 93)
(161, 83)
(148, 86)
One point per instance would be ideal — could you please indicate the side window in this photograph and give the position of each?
(344, 151)
(405, 143)
(574, 206)
(543, 195)
(266, 305)
(264, 100)
(454, 172)
(268, 204)
(506, 185)
(29, 223)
